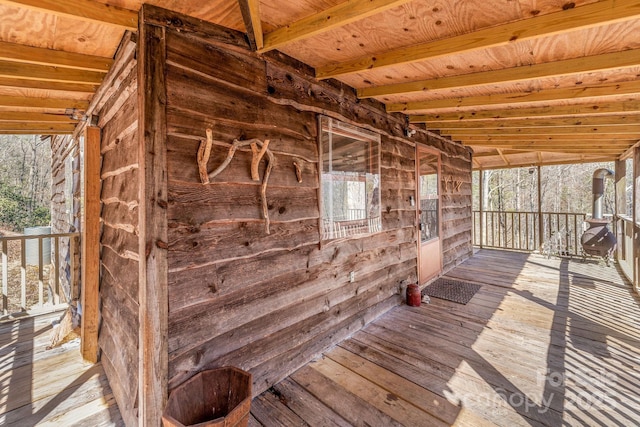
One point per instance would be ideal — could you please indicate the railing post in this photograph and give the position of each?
(540, 222)
(620, 203)
(635, 214)
(481, 206)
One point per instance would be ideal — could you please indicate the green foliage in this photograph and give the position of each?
(15, 212)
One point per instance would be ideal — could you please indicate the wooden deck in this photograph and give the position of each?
(49, 387)
(544, 342)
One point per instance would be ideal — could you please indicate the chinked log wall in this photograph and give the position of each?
(118, 335)
(269, 303)
(227, 293)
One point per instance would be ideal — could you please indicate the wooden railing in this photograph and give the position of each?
(552, 232)
(625, 232)
(31, 286)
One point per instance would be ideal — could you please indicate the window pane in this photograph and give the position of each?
(428, 185)
(350, 180)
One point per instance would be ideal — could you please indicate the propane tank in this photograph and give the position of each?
(413, 295)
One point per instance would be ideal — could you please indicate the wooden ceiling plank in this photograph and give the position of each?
(85, 10)
(36, 55)
(251, 15)
(47, 85)
(609, 89)
(20, 70)
(14, 116)
(571, 160)
(21, 101)
(571, 19)
(585, 64)
(336, 16)
(585, 109)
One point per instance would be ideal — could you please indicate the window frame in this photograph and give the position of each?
(369, 225)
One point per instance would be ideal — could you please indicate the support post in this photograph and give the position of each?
(153, 357)
(481, 206)
(620, 205)
(636, 214)
(90, 295)
(540, 222)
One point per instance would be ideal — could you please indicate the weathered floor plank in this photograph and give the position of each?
(545, 342)
(50, 387)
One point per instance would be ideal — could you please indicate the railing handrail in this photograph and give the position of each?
(38, 236)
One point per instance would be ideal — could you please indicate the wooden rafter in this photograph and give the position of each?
(337, 16)
(503, 157)
(586, 64)
(571, 130)
(629, 151)
(12, 116)
(48, 85)
(534, 144)
(35, 55)
(558, 139)
(571, 19)
(609, 89)
(601, 121)
(85, 10)
(40, 127)
(10, 69)
(541, 111)
(21, 101)
(251, 15)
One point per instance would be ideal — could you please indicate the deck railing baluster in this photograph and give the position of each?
(23, 275)
(5, 278)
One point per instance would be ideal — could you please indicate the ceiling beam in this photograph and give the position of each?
(571, 19)
(251, 15)
(47, 85)
(585, 64)
(39, 127)
(528, 163)
(629, 151)
(571, 130)
(35, 55)
(49, 73)
(542, 111)
(337, 16)
(608, 89)
(14, 116)
(604, 121)
(559, 139)
(29, 102)
(85, 10)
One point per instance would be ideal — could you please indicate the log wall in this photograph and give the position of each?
(118, 335)
(65, 210)
(270, 303)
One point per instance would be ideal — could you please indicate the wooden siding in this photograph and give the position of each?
(65, 167)
(269, 303)
(118, 336)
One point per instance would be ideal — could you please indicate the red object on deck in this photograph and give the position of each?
(413, 295)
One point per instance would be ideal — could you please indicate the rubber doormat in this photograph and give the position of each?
(452, 290)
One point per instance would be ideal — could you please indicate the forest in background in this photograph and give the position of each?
(25, 181)
(564, 188)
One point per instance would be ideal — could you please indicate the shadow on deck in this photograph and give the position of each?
(543, 342)
(52, 387)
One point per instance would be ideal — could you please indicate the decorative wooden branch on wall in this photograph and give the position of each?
(204, 151)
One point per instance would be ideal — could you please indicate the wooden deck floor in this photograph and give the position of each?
(49, 387)
(544, 342)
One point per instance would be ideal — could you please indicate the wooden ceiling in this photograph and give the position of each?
(523, 82)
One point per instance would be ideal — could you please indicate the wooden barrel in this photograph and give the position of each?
(213, 398)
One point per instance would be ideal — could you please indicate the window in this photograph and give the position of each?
(350, 180)
(428, 185)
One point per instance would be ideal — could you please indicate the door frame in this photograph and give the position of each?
(430, 150)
